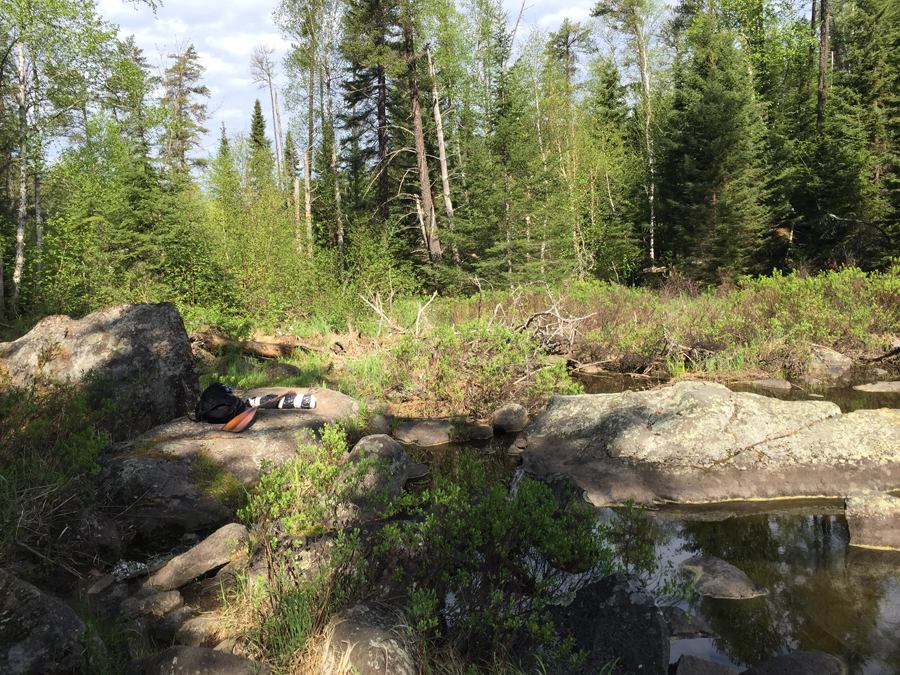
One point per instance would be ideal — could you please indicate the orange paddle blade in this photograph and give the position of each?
(241, 422)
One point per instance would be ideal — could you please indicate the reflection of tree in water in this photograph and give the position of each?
(815, 601)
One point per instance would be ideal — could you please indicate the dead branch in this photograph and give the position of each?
(278, 348)
(422, 309)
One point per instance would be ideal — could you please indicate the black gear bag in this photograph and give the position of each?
(218, 404)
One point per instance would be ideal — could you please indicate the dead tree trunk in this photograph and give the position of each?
(23, 175)
(825, 16)
(307, 158)
(442, 153)
(333, 164)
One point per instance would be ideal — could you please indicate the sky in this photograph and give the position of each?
(224, 33)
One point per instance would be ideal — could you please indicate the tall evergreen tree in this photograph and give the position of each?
(186, 111)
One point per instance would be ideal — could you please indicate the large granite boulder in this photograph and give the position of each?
(701, 442)
(874, 519)
(369, 639)
(39, 635)
(615, 618)
(140, 354)
(831, 367)
(217, 550)
(273, 437)
(157, 497)
(374, 488)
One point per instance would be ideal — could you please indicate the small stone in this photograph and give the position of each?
(481, 432)
(381, 424)
(772, 384)
(194, 632)
(879, 372)
(510, 417)
(718, 579)
(283, 371)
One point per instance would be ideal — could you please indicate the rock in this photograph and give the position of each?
(880, 372)
(137, 637)
(417, 472)
(830, 366)
(195, 661)
(381, 424)
(164, 630)
(157, 497)
(272, 437)
(280, 370)
(880, 387)
(369, 639)
(510, 417)
(479, 432)
(874, 519)
(194, 632)
(141, 353)
(811, 381)
(424, 432)
(694, 665)
(718, 579)
(91, 536)
(216, 550)
(799, 663)
(615, 618)
(38, 634)
(383, 481)
(700, 442)
(772, 384)
(150, 603)
(376, 405)
(684, 626)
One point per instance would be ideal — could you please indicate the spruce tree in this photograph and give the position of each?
(261, 159)
(714, 158)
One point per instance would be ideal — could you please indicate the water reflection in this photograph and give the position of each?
(823, 594)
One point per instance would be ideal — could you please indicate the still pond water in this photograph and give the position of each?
(823, 593)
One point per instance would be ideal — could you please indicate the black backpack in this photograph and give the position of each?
(218, 404)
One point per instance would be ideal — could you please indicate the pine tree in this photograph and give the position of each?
(714, 161)
(186, 113)
(261, 159)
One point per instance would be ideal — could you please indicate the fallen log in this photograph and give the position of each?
(280, 347)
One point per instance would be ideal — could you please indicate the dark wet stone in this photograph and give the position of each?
(799, 663)
(718, 579)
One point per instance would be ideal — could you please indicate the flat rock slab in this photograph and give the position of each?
(874, 519)
(216, 550)
(799, 663)
(772, 384)
(880, 387)
(424, 432)
(718, 579)
(698, 442)
(195, 661)
(694, 665)
(38, 633)
(271, 438)
(684, 626)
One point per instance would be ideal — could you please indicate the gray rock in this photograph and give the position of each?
(700, 442)
(92, 537)
(157, 496)
(417, 472)
(272, 437)
(382, 481)
(164, 630)
(718, 579)
(772, 384)
(799, 663)
(38, 634)
(830, 366)
(377, 405)
(194, 632)
(880, 387)
(141, 353)
(615, 618)
(479, 432)
(694, 665)
(283, 370)
(369, 638)
(381, 424)
(684, 626)
(510, 417)
(874, 519)
(216, 550)
(811, 381)
(880, 372)
(151, 604)
(424, 432)
(195, 661)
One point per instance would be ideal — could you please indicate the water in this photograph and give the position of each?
(823, 593)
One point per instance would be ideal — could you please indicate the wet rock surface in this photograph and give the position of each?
(799, 663)
(874, 519)
(39, 635)
(718, 579)
(141, 353)
(616, 618)
(369, 638)
(880, 387)
(772, 384)
(694, 665)
(701, 442)
(684, 626)
(272, 437)
(215, 551)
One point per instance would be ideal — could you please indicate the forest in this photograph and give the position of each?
(445, 147)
